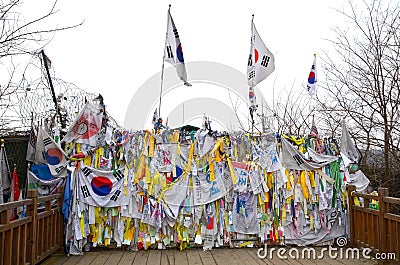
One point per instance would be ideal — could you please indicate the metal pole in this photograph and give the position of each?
(162, 69)
(51, 85)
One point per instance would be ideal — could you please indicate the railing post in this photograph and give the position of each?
(350, 189)
(383, 208)
(5, 217)
(32, 211)
(60, 221)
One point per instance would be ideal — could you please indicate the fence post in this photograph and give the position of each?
(350, 189)
(60, 221)
(5, 217)
(383, 208)
(32, 211)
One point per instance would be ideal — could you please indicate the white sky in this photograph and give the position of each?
(121, 43)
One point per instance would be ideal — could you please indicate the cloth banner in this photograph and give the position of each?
(86, 126)
(176, 195)
(152, 213)
(320, 158)
(359, 180)
(102, 188)
(245, 214)
(206, 191)
(267, 155)
(242, 174)
(164, 158)
(293, 159)
(331, 223)
(347, 146)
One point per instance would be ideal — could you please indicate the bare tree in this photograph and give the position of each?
(292, 112)
(17, 36)
(362, 80)
(21, 40)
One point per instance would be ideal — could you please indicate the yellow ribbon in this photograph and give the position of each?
(232, 171)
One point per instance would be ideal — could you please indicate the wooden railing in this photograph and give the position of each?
(30, 239)
(378, 229)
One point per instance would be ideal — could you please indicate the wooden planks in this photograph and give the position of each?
(198, 257)
(155, 257)
(127, 258)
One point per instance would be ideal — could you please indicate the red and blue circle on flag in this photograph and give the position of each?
(179, 53)
(53, 156)
(255, 55)
(311, 78)
(251, 94)
(101, 186)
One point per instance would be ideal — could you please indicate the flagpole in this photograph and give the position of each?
(251, 109)
(163, 63)
(27, 180)
(2, 170)
(311, 107)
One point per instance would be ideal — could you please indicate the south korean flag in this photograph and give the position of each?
(102, 188)
(261, 61)
(173, 53)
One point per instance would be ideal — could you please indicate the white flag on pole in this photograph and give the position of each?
(173, 50)
(261, 61)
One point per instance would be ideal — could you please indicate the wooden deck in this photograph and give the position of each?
(195, 256)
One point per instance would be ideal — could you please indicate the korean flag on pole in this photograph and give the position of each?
(312, 78)
(173, 49)
(261, 61)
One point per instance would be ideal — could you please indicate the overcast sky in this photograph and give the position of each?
(121, 43)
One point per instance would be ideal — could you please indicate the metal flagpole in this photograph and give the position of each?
(313, 100)
(163, 62)
(252, 76)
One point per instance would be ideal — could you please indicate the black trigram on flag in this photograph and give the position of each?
(298, 159)
(115, 195)
(85, 191)
(176, 33)
(118, 175)
(250, 62)
(86, 171)
(169, 52)
(265, 60)
(47, 141)
(252, 74)
(60, 168)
